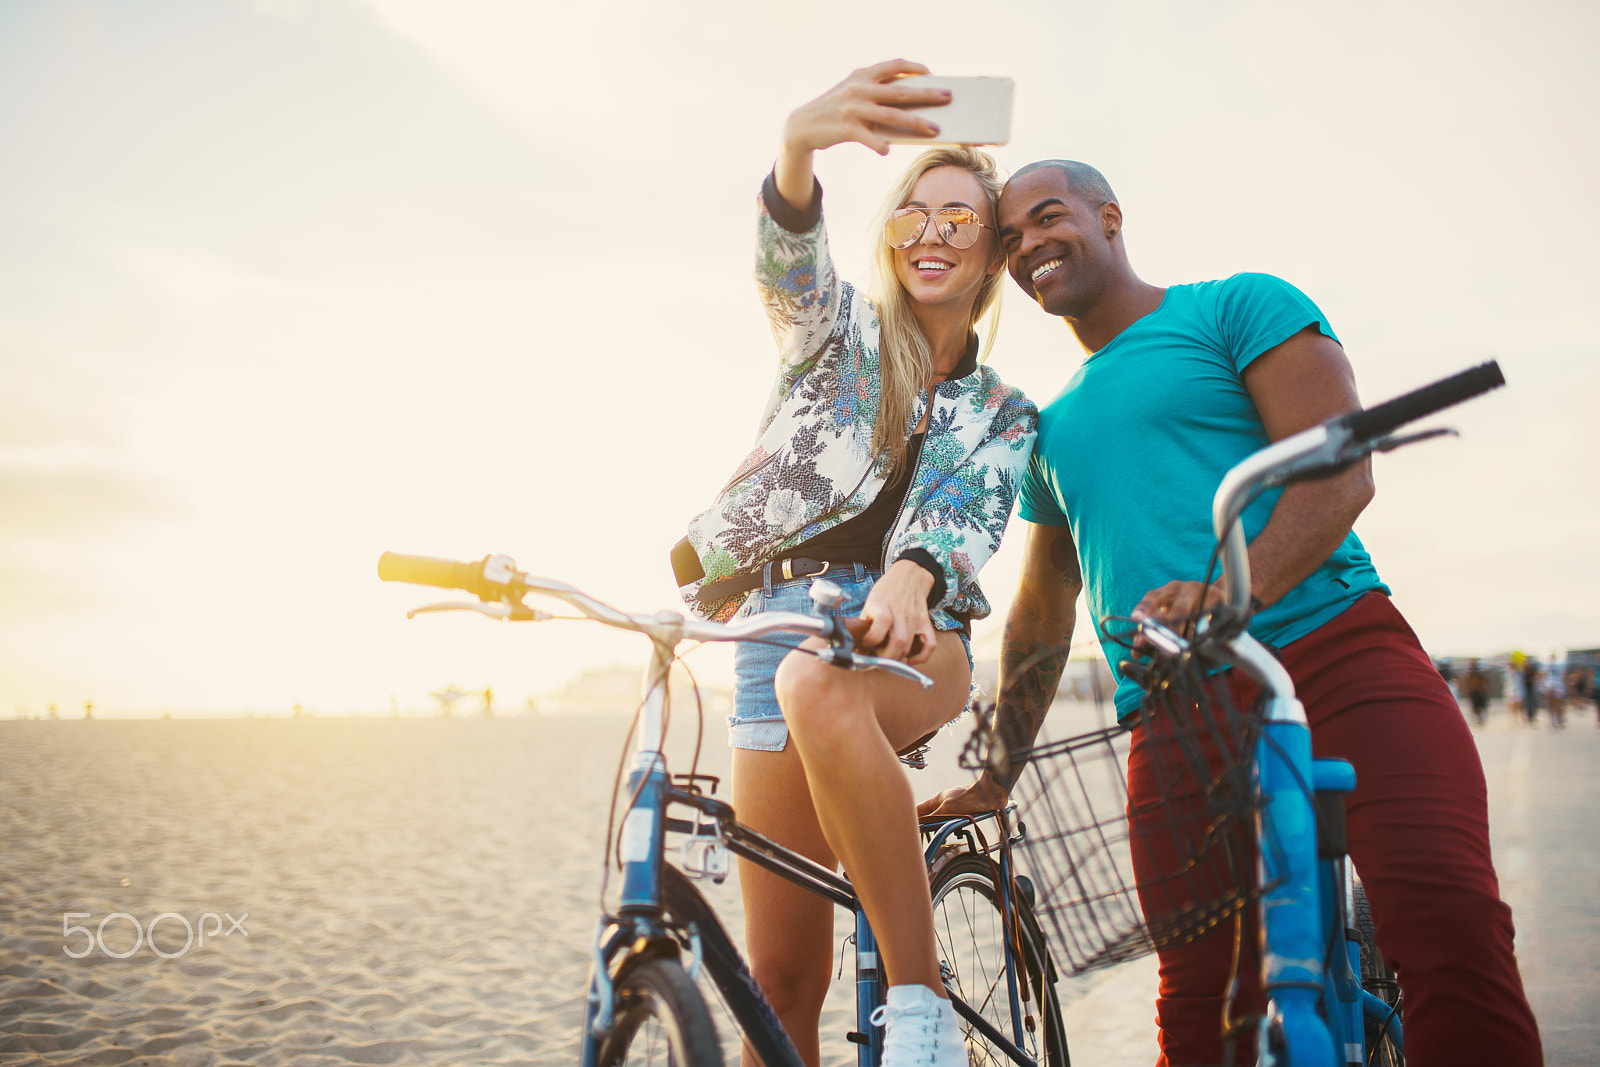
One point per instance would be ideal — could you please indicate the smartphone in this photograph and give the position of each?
(979, 111)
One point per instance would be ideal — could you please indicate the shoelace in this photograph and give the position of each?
(900, 1034)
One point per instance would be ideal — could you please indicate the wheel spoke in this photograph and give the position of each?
(972, 940)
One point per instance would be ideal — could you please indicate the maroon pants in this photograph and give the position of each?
(1419, 835)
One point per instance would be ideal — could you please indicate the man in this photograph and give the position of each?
(1180, 384)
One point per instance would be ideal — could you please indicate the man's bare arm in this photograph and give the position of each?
(1300, 383)
(1033, 653)
(1036, 640)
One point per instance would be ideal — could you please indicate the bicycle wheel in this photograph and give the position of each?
(661, 1020)
(970, 926)
(1377, 979)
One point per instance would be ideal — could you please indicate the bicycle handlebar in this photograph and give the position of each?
(440, 573)
(1379, 421)
(496, 579)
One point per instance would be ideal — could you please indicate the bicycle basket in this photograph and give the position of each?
(1184, 848)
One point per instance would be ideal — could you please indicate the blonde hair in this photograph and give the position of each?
(905, 359)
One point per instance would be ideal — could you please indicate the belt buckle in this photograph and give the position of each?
(787, 570)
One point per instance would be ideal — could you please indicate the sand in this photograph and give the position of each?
(406, 890)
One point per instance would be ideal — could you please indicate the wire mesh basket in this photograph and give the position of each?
(1117, 878)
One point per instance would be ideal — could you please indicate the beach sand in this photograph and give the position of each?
(378, 890)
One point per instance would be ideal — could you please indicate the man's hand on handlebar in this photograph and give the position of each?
(982, 795)
(1176, 602)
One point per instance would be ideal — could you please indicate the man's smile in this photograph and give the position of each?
(1044, 268)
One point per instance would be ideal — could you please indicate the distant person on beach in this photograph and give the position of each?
(1512, 673)
(1477, 687)
(1583, 688)
(1555, 694)
(888, 460)
(1530, 690)
(1447, 671)
(1178, 385)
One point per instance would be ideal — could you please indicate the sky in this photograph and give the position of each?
(286, 283)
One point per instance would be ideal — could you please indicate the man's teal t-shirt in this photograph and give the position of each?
(1132, 450)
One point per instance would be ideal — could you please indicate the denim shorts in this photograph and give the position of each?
(757, 721)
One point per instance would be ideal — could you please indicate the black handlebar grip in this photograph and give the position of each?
(428, 570)
(1391, 414)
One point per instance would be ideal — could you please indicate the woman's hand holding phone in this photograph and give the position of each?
(867, 108)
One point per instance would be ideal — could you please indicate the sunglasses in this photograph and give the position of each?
(957, 227)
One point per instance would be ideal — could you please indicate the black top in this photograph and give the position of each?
(861, 539)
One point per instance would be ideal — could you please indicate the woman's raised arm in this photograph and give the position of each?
(860, 108)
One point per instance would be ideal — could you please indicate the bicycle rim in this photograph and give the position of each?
(970, 929)
(661, 1020)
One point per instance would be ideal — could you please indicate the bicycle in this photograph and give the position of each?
(643, 1003)
(1258, 824)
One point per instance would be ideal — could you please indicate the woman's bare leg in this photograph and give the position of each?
(846, 727)
(788, 931)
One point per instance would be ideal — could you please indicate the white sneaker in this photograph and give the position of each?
(920, 1029)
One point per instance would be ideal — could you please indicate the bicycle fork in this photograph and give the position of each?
(637, 927)
(1291, 919)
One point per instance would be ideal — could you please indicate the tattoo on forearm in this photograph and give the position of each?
(1033, 655)
(1029, 675)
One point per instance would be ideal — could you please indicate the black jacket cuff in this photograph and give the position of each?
(784, 213)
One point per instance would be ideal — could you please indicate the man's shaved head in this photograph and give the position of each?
(1084, 179)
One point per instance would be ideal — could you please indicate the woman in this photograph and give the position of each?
(889, 459)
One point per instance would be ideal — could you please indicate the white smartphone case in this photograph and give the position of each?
(979, 111)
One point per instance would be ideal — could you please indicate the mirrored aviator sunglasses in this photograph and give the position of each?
(957, 227)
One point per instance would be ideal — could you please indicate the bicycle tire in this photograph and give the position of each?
(969, 926)
(661, 1020)
(1377, 979)
(727, 981)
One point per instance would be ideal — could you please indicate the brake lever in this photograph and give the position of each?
(1357, 449)
(1161, 637)
(861, 662)
(1392, 442)
(495, 610)
(851, 659)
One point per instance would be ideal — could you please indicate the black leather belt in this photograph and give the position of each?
(781, 570)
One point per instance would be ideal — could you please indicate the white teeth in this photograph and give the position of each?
(932, 264)
(1045, 268)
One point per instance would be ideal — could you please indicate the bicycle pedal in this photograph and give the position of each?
(857, 1037)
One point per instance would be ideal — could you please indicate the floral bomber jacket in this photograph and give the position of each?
(812, 466)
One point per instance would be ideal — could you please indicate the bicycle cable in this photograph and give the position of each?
(699, 710)
(1383, 1031)
(1230, 1027)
